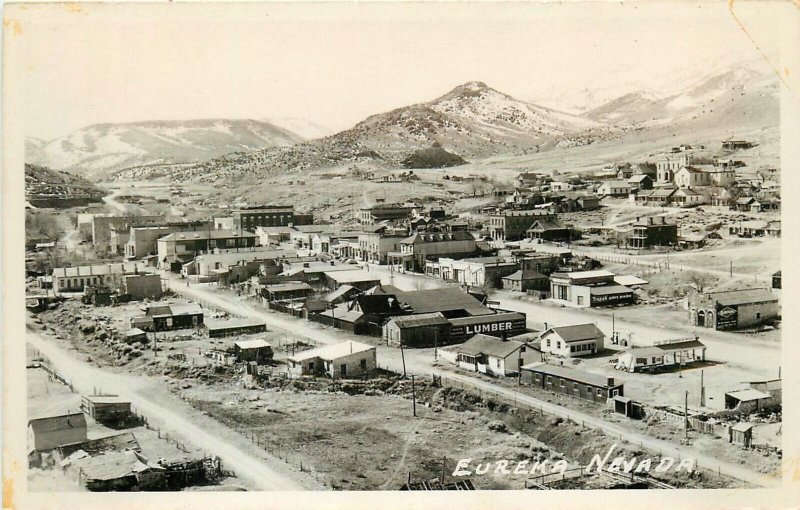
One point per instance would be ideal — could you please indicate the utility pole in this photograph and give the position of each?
(403, 357)
(686, 414)
(702, 391)
(435, 344)
(731, 273)
(414, 396)
(613, 325)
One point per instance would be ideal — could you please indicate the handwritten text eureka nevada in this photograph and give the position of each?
(598, 464)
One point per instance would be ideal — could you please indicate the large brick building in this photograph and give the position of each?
(249, 218)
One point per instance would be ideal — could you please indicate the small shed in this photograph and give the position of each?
(259, 351)
(741, 433)
(747, 399)
(48, 433)
(106, 409)
(135, 335)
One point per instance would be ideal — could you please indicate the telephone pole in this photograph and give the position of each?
(403, 357)
(414, 396)
(686, 414)
(702, 391)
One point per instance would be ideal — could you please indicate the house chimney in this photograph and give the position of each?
(610, 382)
(545, 326)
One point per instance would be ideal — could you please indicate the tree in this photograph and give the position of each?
(700, 280)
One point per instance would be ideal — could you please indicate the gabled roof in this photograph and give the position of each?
(378, 303)
(489, 346)
(340, 292)
(332, 352)
(572, 374)
(60, 422)
(525, 274)
(442, 300)
(208, 234)
(187, 309)
(743, 296)
(748, 395)
(577, 332)
(438, 237)
(287, 287)
(547, 224)
(419, 320)
(252, 344)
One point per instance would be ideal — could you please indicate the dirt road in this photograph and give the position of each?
(419, 363)
(173, 415)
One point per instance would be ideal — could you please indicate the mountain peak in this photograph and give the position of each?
(468, 89)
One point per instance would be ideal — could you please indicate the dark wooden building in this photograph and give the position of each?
(569, 381)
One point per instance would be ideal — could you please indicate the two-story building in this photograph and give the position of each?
(589, 288)
(511, 225)
(653, 231)
(416, 249)
(181, 247)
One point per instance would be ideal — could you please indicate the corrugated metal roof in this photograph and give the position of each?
(577, 332)
(418, 320)
(748, 395)
(572, 374)
(489, 346)
(286, 287)
(442, 300)
(743, 297)
(493, 317)
(332, 352)
(252, 344)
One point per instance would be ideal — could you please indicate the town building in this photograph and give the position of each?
(551, 230)
(733, 309)
(572, 341)
(345, 359)
(524, 280)
(375, 245)
(287, 291)
(493, 356)
(416, 249)
(384, 212)
(259, 351)
(102, 224)
(662, 355)
(511, 225)
(357, 278)
(573, 382)
(180, 247)
(589, 288)
(248, 218)
(690, 177)
(669, 165)
(748, 399)
(500, 324)
(106, 409)
(776, 280)
(232, 327)
(472, 272)
(76, 279)
(640, 182)
(142, 286)
(660, 197)
(615, 188)
(730, 145)
(48, 433)
(142, 239)
(273, 235)
(420, 330)
(169, 317)
(686, 197)
(653, 231)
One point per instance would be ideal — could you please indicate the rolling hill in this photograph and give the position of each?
(472, 120)
(98, 149)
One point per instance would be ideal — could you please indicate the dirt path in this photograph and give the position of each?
(415, 364)
(172, 414)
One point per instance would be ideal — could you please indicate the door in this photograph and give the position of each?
(343, 369)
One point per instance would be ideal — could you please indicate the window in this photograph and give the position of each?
(558, 344)
(572, 348)
(498, 362)
(548, 342)
(561, 383)
(580, 300)
(599, 392)
(758, 315)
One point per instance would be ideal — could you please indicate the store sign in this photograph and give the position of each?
(727, 317)
(495, 327)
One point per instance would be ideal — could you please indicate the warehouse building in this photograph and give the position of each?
(734, 309)
(499, 324)
(345, 359)
(662, 355)
(421, 330)
(569, 381)
(232, 327)
(589, 288)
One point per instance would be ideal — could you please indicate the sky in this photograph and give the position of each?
(335, 64)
